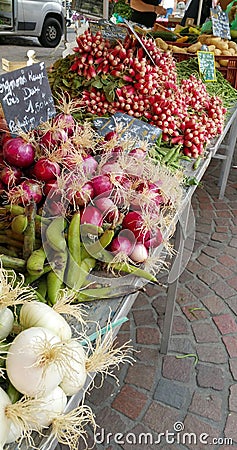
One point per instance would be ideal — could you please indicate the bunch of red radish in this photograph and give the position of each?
(49, 168)
(145, 90)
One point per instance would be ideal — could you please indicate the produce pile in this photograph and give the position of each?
(42, 363)
(73, 201)
(106, 77)
(217, 45)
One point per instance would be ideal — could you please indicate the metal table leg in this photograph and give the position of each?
(180, 238)
(227, 158)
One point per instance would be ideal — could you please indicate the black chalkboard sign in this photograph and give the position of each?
(26, 97)
(109, 30)
(129, 127)
(220, 23)
(206, 63)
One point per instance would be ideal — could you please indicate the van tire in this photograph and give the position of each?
(51, 33)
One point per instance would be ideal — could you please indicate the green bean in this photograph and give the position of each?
(98, 246)
(29, 279)
(73, 238)
(55, 277)
(55, 234)
(128, 268)
(80, 273)
(35, 262)
(9, 241)
(197, 163)
(10, 262)
(29, 233)
(89, 228)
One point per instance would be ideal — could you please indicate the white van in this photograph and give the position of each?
(38, 18)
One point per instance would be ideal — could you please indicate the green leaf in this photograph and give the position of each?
(97, 84)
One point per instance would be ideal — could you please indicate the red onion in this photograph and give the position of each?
(108, 208)
(134, 222)
(84, 195)
(110, 135)
(26, 192)
(138, 153)
(46, 170)
(50, 185)
(65, 121)
(10, 176)
(53, 138)
(54, 206)
(18, 152)
(89, 164)
(154, 240)
(102, 185)
(92, 215)
(123, 243)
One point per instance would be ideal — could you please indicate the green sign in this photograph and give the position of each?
(206, 63)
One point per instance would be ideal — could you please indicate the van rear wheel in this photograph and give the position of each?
(51, 33)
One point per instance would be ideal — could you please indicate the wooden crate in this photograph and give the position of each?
(8, 66)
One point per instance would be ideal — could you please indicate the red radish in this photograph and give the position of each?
(102, 185)
(10, 176)
(108, 208)
(18, 152)
(46, 170)
(139, 253)
(92, 215)
(26, 192)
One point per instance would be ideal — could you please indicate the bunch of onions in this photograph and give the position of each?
(20, 419)
(12, 293)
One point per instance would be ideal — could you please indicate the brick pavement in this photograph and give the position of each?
(194, 385)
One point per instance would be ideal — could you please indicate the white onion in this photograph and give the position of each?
(22, 363)
(50, 407)
(75, 378)
(4, 422)
(139, 253)
(15, 432)
(37, 314)
(6, 322)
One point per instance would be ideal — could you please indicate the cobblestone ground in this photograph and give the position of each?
(192, 389)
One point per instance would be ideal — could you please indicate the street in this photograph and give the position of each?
(14, 48)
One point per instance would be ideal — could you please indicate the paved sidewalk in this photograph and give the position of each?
(193, 386)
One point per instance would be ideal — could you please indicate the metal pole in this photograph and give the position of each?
(199, 12)
(106, 9)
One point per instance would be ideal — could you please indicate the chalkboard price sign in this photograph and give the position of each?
(129, 127)
(109, 30)
(26, 97)
(206, 62)
(220, 23)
